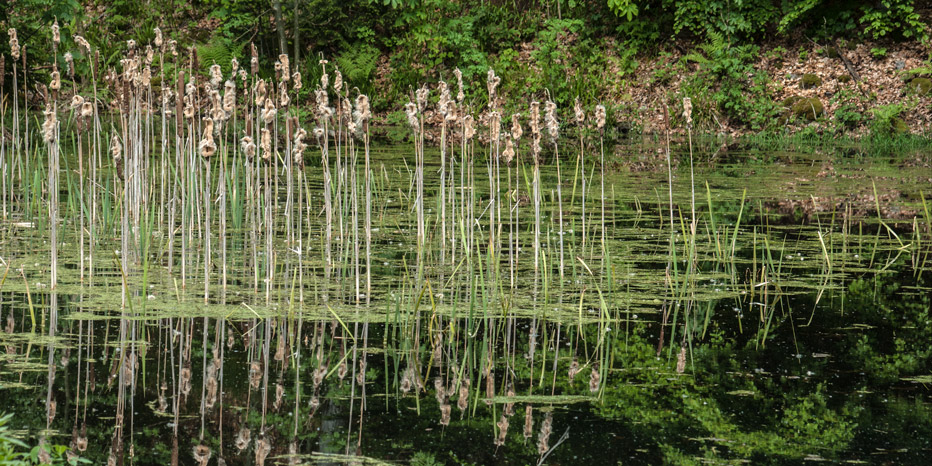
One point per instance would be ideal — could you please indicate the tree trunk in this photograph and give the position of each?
(280, 25)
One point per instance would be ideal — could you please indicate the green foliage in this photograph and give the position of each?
(894, 18)
(886, 119)
(11, 454)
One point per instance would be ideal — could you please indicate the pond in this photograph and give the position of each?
(772, 306)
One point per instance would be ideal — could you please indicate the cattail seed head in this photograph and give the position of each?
(284, 66)
(492, 82)
(49, 126)
(362, 111)
(411, 112)
(242, 438)
(681, 360)
(158, 38)
(469, 127)
(234, 66)
(261, 89)
(495, 127)
(173, 47)
(516, 130)
(201, 454)
(323, 103)
(14, 43)
(444, 100)
(150, 54)
(77, 102)
(55, 84)
(688, 111)
(82, 43)
(268, 112)
(421, 95)
(459, 85)
(56, 34)
(254, 59)
(337, 81)
(550, 119)
(229, 98)
(116, 148)
(87, 109)
(131, 45)
(248, 147)
(296, 81)
(283, 98)
(69, 61)
(502, 425)
(594, 380)
(600, 117)
(528, 422)
(543, 438)
(509, 153)
(266, 146)
(216, 76)
(578, 112)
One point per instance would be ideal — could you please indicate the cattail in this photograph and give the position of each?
(201, 454)
(451, 114)
(216, 76)
(502, 430)
(362, 112)
(516, 130)
(282, 67)
(80, 443)
(445, 414)
(131, 45)
(69, 62)
(462, 401)
(509, 153)
(186, 381)
(407, 379)
(87, 109)
(421, 95)
(268, 112)
(492, 83)
(574, 369)
(439, 390)
(543, 438)
(50, 124)
(283, 99)
(279, 395)
(173, 47)
(266, 147)
(207, 147)
(528, 422)
(495, 127)
(411, 112)
(242, 75)
(56, 35)
(319, 135)
(510, 406)
(77, 102)
(254, 59)
(681, 359)
(469, 128)
(14, 43)
(55, 84)
(444, 100)
(534, 123)
(82, 43)
(594, 380)
(600, 118)
(688, 111)
(248, 146)
(263, 447)
(296, 83)
(158, 37)
(323, 103)
(150, 54)
(255, 371)
(459, 85)
(242, 438)
(578, 112)
(550, 120)
(337, 81)
(145, 76)
(261, 89)
(2, 69)
(299, 147)
(229, 98)
(53, 407)
(324, 77)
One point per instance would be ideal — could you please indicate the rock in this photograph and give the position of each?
(921, 86)
(809, 108)
(810, 81)
(792, 76)
(900, 64)
(844, 78)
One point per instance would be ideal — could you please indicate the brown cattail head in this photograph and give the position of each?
(469, 127)
(283, 66)
(421, 95)
(283, 98)
(201, 454)
(242, 438)
(56, 35)
(509, 153)
(495, 127)
(296, 83)
(550, 119)
(50, 125)
(528, 422)
(69, 62)
(116, 148)
(150, 54)
(594, 380)
(229, 98)
(266, 148)
(600, 118)
(55, 83)
(82, 43)
(543, 438)
(158, 38)
(173, 47)
(323, 104)
(254, 59)
(492, 82)
(234, 66)
(578, 112)
(502, 425)
(459, 85)
(681, 359)
(248, 147)
(2, 69)
(444, 101)
(216, 76)
(337, 81)
(14, 43)
(411, 112)
(261, 89)
(688, 111)
(207, 146)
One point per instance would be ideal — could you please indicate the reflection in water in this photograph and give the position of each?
(753, 339)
